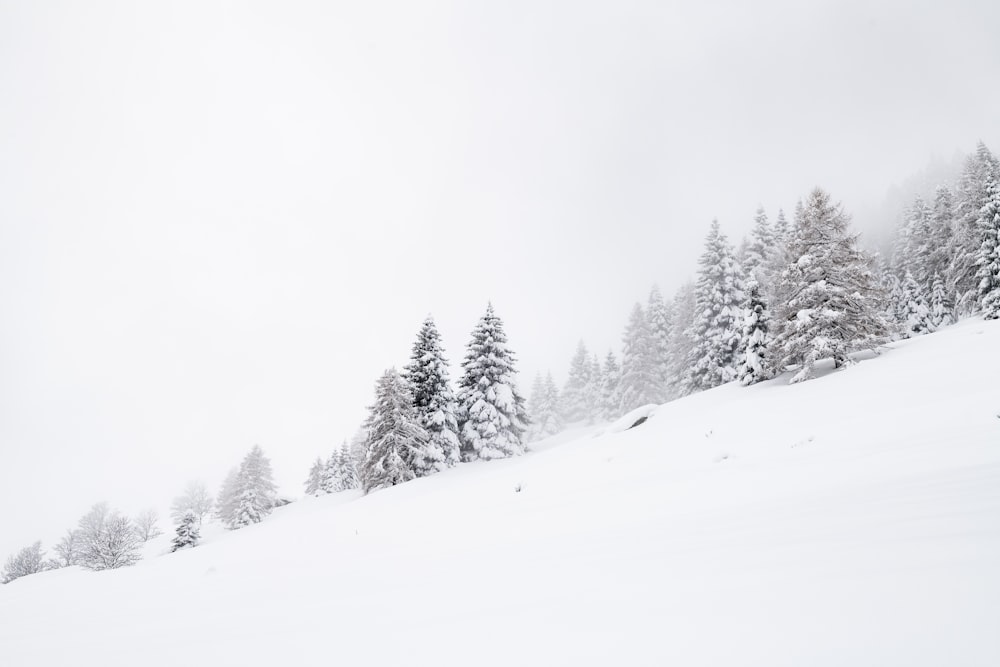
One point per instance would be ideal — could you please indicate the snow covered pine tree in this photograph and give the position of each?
(427, 375)
(491, 412)
(828, 297)
(395, 436)
(187, 532)
(754, 360)
(255, 489)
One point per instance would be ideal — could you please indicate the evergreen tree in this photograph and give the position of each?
(988, 258)
(829, 300)
(395, 436)
(491, 411)
(940, 305)
(681, 343)
(188, 533)
(427, 375)
(544, 409)
(717, 328)
(917, 317)
(660, 319)
(754, 359)
(255, 489)
(640, 377)
(228, 500)
(347, 472)
(971, 196)
(939, 239)
(578, 395)
(759, 248)
(314, 482)
(610, 380)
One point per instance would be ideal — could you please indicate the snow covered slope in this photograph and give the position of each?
(851, 520)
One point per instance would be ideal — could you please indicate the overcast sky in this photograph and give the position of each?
(219, 222)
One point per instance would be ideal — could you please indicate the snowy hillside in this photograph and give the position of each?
(851, 520)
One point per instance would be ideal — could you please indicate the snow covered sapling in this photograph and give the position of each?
(28, 560)
(395, 435)
(147, 525)
(491, 411)
(188, 533)
(754, 359)
(940, 305)
(427, 375)
(917, 314)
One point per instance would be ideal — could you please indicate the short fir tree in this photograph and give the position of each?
(188, 533)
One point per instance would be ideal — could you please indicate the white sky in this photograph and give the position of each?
(220, 221)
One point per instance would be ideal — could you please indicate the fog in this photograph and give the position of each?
(219, 222)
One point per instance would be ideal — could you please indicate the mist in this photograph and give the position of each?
(220, 222)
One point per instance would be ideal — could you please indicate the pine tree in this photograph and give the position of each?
(395, 436)
(188, 534)
(940, 305)
(917, 316)
(578, 393)
(640, 378)
(491, 411)
(988, 258)
(829, 300)
(228, 501)
(544, 409)
(610, 380)
(717, 329)
(660, 319)
(971, 196)
(939, 239)
(681, 343)
(754, 358)
(255, 489)
(314, 482)
(348, 475)
(427, 375)
(759, 248)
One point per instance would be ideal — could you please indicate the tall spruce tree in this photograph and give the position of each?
(314, 481)
(395, 436)
(427, 374)
(681, 343)
(492, 414)
(759, 248)
(829, 299)
(717, 328)
(610, 380)
(971, 195)
(544, 409)
(754, 358)
(578, 397)
(640, 377)
(255, 489)
(660, 317)
(988, 258)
